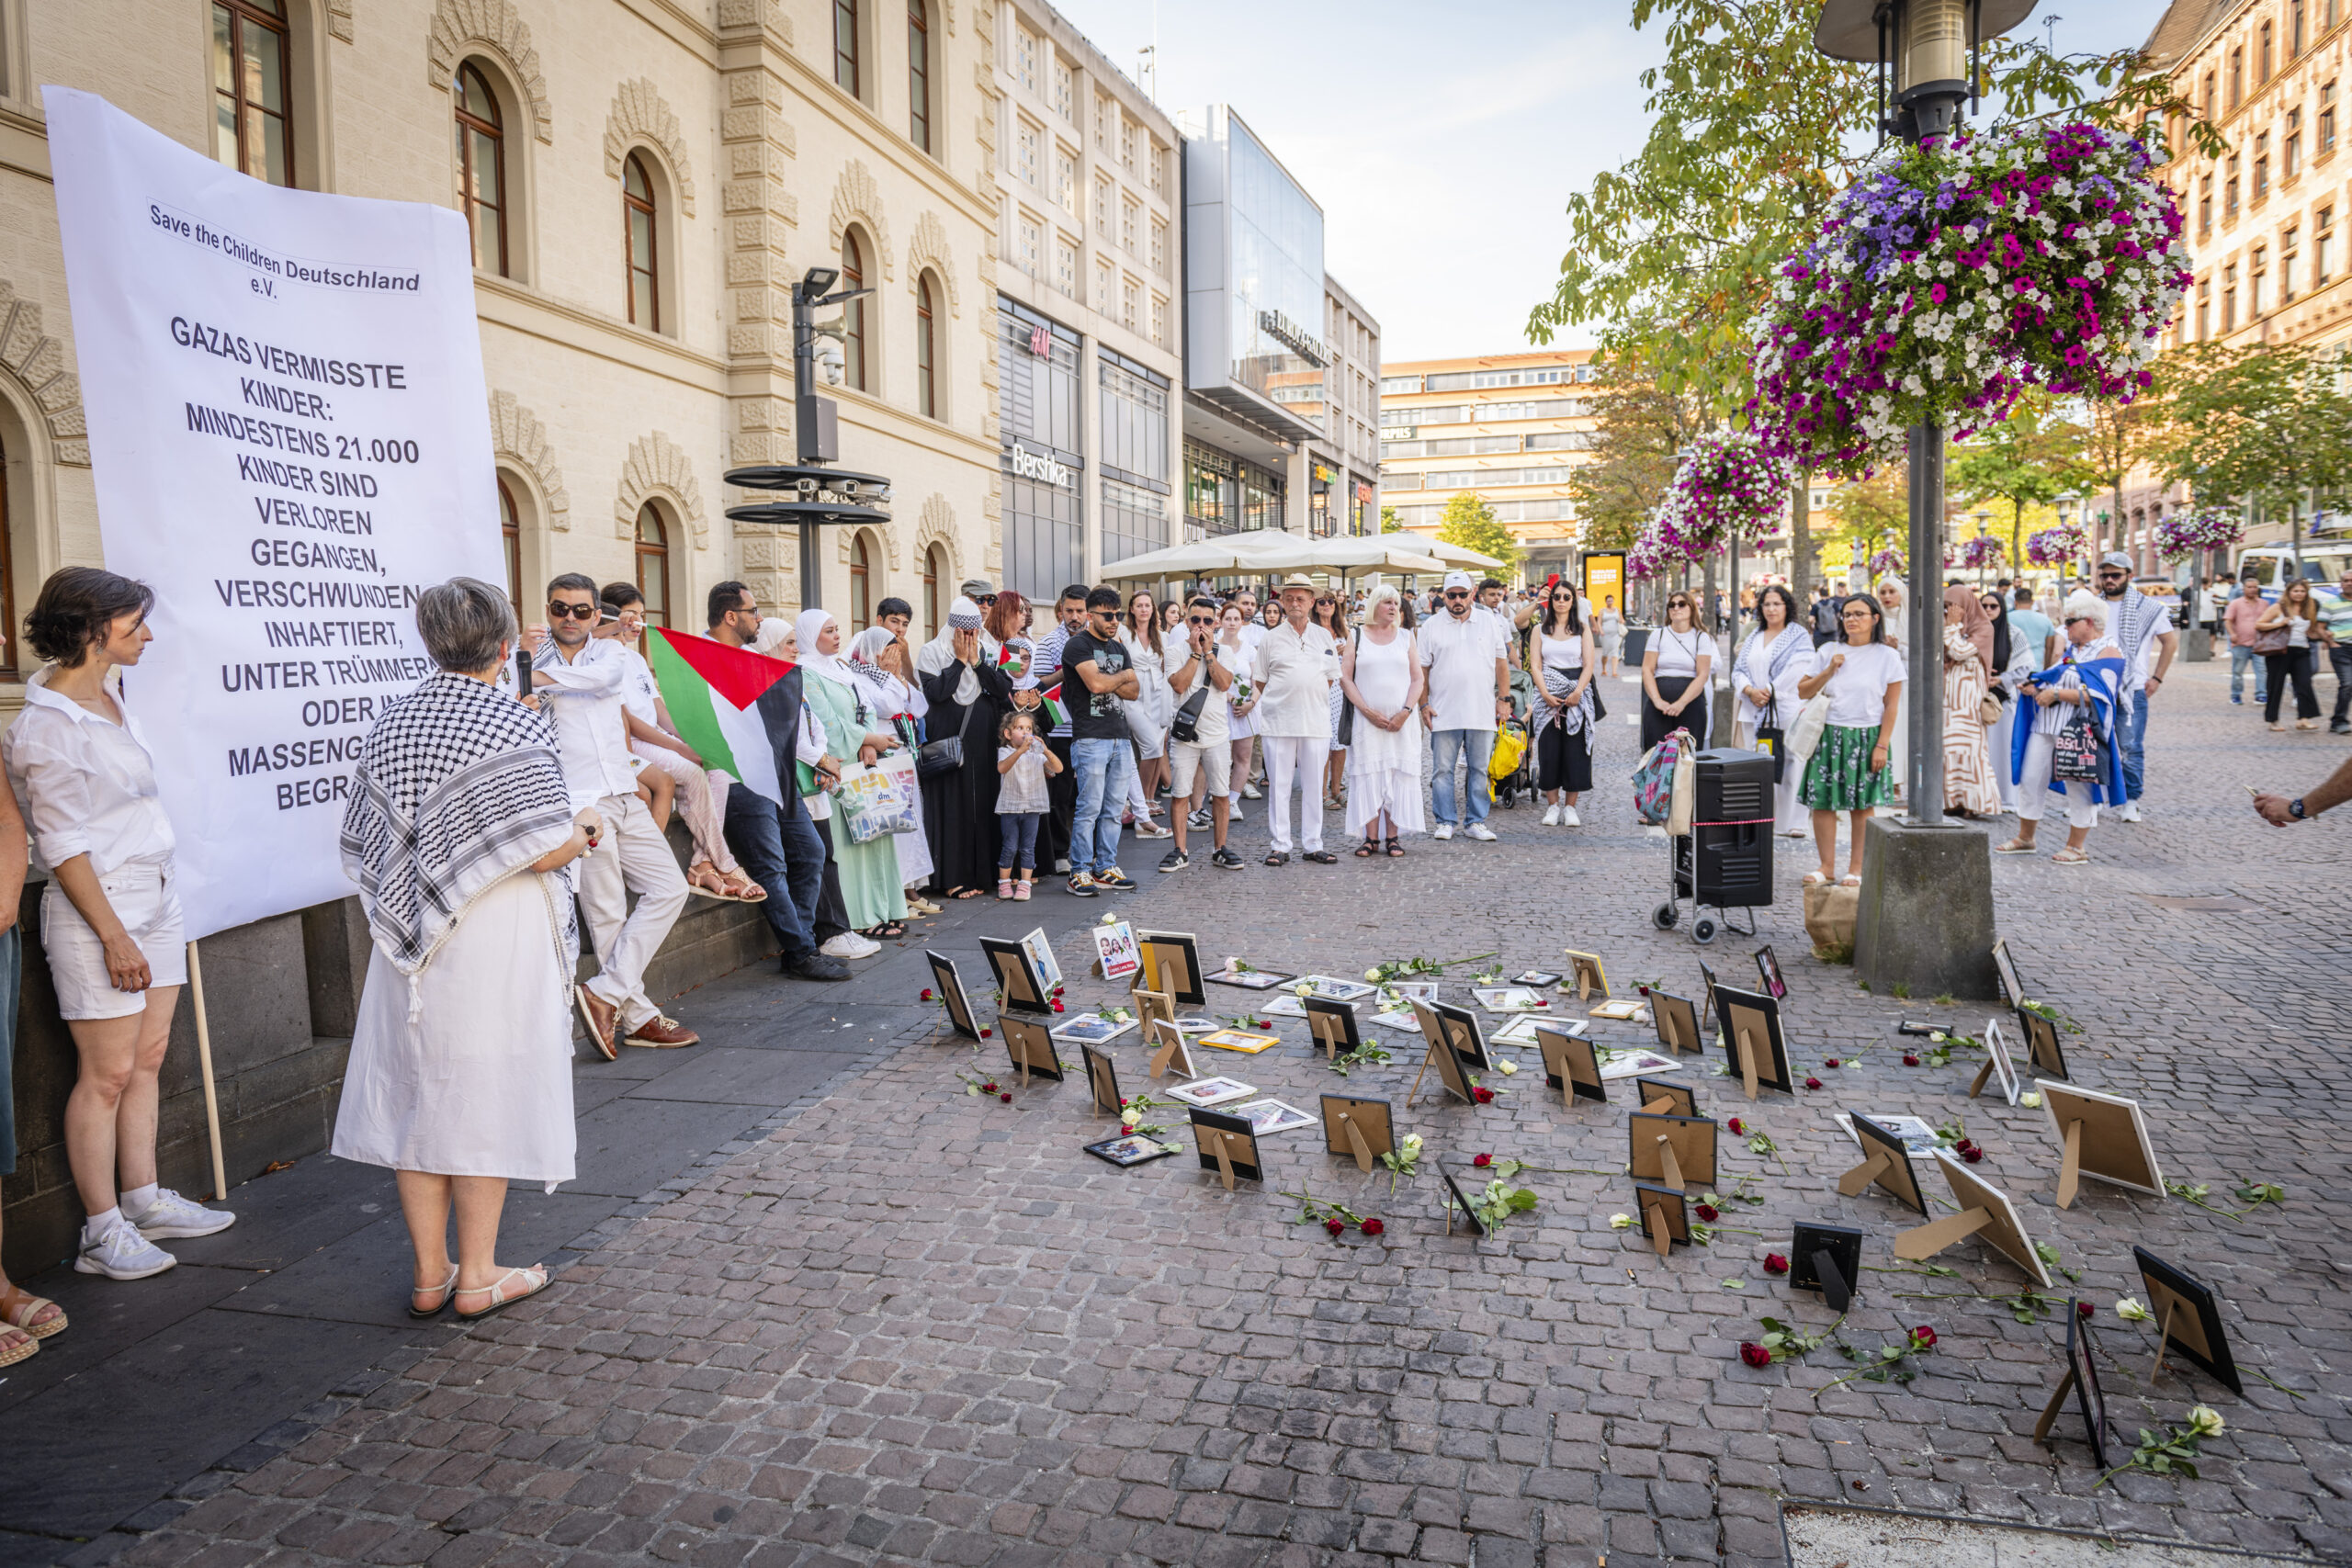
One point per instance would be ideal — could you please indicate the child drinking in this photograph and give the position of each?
(1022, 764)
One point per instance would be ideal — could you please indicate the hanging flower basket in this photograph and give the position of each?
(2207, 529)
(1981, 553)
(1887, 563)
(1728, 485)
(2060, 546)
(1649, 557)
(1958, 274)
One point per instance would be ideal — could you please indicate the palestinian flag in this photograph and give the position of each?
(1056, 715)
(710, 690)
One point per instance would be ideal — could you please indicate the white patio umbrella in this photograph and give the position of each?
(1261, 550)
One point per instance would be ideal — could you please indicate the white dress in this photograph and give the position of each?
(479, 1083)
(1384, 769)
(1238, 726)
(1752, 668)
(1148, 714)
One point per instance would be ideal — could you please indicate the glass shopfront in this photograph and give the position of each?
(1136, 492)
(1038, 387)
(1225, 495)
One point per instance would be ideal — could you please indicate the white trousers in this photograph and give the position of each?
(632, 857)
(1302, 755)
(701, 800)
(2033, 786)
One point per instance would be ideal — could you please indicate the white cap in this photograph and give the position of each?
(1455, 580)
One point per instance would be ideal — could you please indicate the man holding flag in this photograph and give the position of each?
(741, 712)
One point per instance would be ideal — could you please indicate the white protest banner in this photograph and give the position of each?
(290, 440)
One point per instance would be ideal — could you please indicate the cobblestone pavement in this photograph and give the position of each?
(916, 1325)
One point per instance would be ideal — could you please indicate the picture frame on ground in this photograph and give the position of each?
(1284, 1006)
(1397, 1019)
(1676, 1020)
(1707, 980)
(1998, 1066)
(949, 987)
(1768, 964)
(1827, 1258)
(1886, 1164)
(1413, 991)
(1171, 1051)
(2189, 1320)
(1335, 990)
(1458, 1210)
(1131, 1148)
(1450, 1071)
(1088, 1029)
(1194, 1024)
(1205, 1092)
(2007, 1234)
(1171, 966)
(1030, 1047)
(1569, 1066)
(1634, 1063)
(1333, 1026)
(1358, 1129)
(1249, 1041)
(1673, 1151)
(1584, 969)
(2044, 1051)
(2102, 1136)
(1665, 1218)
(1750, 1022)
(1016, 975)
(1151, 1007)
(1228, 1146)
(1542, 979)
(1520, 1031)
(1040, 948)
(1269, 1116)
(1117, 955)
(1247, 980)
(1916, 1135)
(2005, 969)
(1507, 998)
(1461, 1029)
(1659, 1098)
(1620, 1009)
(1102, 1081)
(2081, 1380)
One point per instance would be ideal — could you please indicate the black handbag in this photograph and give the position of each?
(1186, 724)
(946, 753)
(1769, 739)
(1343, 734)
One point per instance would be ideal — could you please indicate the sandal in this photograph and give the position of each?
(741, 888)
(1850, 879)
(1276, 857)
(2070, 857)
(20, 1311)
(1366, 851)
(889, 931)
(15, 1344)
(1395, 850)
(1815, 879)
(447, 1289)
(923, 906)
(2014, 847)
(536, 1279)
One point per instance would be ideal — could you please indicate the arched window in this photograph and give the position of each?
(653, 564)
(860, 585)
(644, 260)
(252, 88)
(926, 348)
(481, 168)
(845, 46)
(510, 527)
(919, 74)
(932, 571)
(853, 313)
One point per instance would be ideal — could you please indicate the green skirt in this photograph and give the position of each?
(1839, 777)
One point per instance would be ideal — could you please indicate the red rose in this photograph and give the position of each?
(1910, 1061)
(1483, 1095)
(1542, 1003)
(1829, 1061)
(1775, 1264)
(1335, 1225)
(1122, 1105)
(1735, 1128)
(1263, 1024)
(1006, 1098)
(986, 1032)
(988, 1088)
(1755, 1355)
(2081, 1309)
(1372, 1227)
(1813, 1083)
(1971, 1154)
(1924, 1338)
(1707, 1213)
(1057, 1006)
(1483, 1160)
(926, 993)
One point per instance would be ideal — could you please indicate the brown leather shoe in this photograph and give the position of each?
(602, 1018)
(661, 1034)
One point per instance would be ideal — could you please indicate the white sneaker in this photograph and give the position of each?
(122, 1254)
(1233, 812)
(849, 944)
(1569, 817)
(1481, 832)
(1552, 815)
(1443, 831)
(1252, 791)
(2130, 812)
(172, 1215)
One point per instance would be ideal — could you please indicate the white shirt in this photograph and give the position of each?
(1210, 727)
(640, 691)
(1295, 671)
(1858, 691)
(1460, 657)
(1678, 652)
(587, 704)
(87, 786)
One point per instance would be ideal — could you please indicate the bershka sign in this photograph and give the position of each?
(1028, 465)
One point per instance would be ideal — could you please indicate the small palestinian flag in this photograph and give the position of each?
(712, 692)
(1055, 714)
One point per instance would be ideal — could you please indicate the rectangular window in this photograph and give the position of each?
(1102, 209)
(845, 47)
(2262, 56)
(2205, 205)
(1130, 301)
(250, 88)
(2204, 309)
(2230, 298)
(1129, 134)
(1399, 384)
(2327, 117)
(1066, 179)
(2292, 148)
(2261, 165)
(2288, 257)
(1159, 169)
(1158, 248)
(2258, 279)
(2295, 28)
(1065, 266)
(1025, 137)
(1130, 218)
(2237, 78)
(1025, 57)
(2324, 252)
(1160, 321)
(1102, 287)
(1101, 123)
(1134, 412)
(2230, 189)
(2209, 94)
(1025, 250)
(1065, 91)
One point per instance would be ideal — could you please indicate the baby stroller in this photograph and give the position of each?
(1510, 771)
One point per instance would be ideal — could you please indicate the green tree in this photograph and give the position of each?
(1389, 524)
(1753, 133)
(2270, 424)
(1469, 522)
(1641, 427)
(2030, 458)
(1871, 513)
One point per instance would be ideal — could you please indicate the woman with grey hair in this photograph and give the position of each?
(460, 834)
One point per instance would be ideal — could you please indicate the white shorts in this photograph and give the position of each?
(1185, 759)
(143, 900)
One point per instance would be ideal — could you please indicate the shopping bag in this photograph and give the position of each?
(870, 804)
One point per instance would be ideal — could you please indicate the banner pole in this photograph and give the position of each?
(204, 1059)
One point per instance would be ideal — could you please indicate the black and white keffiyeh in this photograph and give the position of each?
(458, 787)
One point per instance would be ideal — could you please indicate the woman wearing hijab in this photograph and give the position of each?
(967, 694)
(878, 660)
(460, 834)
(871, 888)
(1776, 656)
(1894, 601)
(2004, 659)
(1970, 788)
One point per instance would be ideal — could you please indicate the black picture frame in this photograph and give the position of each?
(1900, 1181)
(1679, 1100)
(1469, 1217)
(1648, 1194)
(1457, 1024)
(2090, 1398)
(1026, 1037)
(2005, 969)
(1332, 1025)
(1251, 1169)
(2043, 1053)
(1670, 1015)
(1768, 964)
(1707, 979)
(952, 996)
(1692, 1138)
(1025, 989)
(1183, 956)
(1249, 980)
(1375, 1120)
(1581, 1078)
(2207, 1342)
(1129, 1149)
(1842, 1243)
(1539, 978)
(1102, 1080)
(1772, 1071)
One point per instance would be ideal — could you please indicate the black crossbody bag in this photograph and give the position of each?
(946, 753)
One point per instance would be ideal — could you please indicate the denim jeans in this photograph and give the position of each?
(2340, 660)
(781, 851)
(1017, 831)
(2131, 735)
(1104, 769)
(2239, 658)
(1473, 747)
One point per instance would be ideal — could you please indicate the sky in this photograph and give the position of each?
(1442, 142)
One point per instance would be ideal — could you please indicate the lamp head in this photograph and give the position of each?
(1926, 42)
(819, 281)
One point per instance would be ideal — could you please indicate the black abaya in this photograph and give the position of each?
(959, 806)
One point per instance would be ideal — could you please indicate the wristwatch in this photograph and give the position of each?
(2295, 809)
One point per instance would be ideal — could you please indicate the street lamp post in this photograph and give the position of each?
(1926, 915)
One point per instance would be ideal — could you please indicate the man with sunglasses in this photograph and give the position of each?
(1207, 756)
(587, 677)
(1061, 788)
(1096, 671)
(1469, 692)
(2142, 626)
